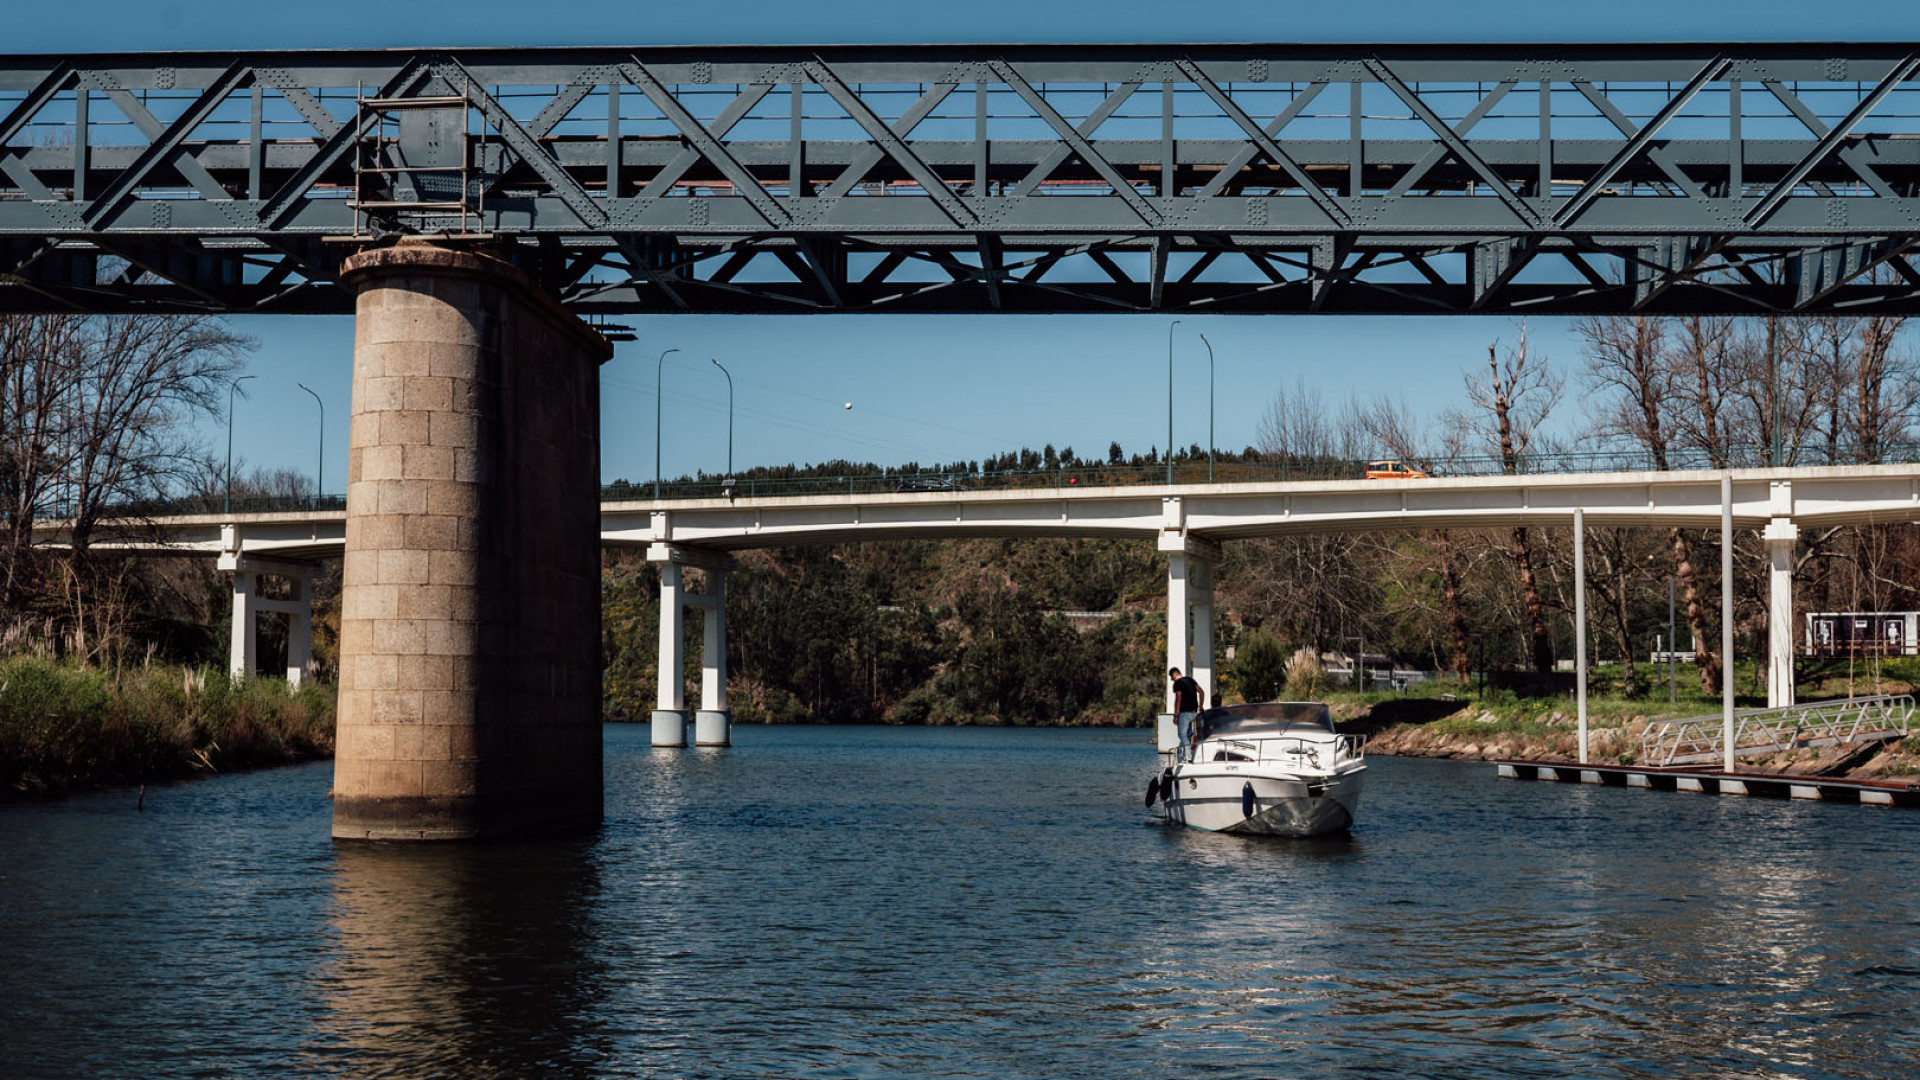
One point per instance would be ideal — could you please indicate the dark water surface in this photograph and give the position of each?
(862, 902)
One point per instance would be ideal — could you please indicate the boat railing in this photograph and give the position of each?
(1287, 749)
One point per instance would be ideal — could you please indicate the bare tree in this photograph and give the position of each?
(1394, 426)
(1299, 427)
(35, 373)
(1512, 401)
(98, 416)
(1627, 371)
(1704, 370)
(1637, 379)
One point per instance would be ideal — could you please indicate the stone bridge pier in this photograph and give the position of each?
(469, 631)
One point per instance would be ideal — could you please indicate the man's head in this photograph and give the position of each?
(1173, 673)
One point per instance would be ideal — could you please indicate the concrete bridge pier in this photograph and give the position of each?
(248, 604)
(713, 721)
(1190, 563)
(469, 631)
(1780, 535)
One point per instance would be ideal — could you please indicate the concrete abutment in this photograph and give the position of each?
(469, 631)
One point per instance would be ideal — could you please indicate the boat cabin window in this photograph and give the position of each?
(1267, 718)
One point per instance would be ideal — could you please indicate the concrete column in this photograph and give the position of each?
(670, 711)
(242, 653)
(713, 724)
(1580, 624)
(1780, 536)
(469, 631)
(1200, 581)
(300, 632)
(1726, 623)
(1179, 609)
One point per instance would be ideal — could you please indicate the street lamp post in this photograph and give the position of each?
(320, 464)
(231, 391)
(659, 368)
(729, 375)
(1209, 345)
(1671, 643)
(1170, 327)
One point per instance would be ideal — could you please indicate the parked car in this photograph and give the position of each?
(1393, 470)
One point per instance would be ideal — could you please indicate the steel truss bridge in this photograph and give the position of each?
(1737, 178)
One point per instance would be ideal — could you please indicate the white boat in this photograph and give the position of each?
(1277, 769)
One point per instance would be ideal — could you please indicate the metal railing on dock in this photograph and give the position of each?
(1697, 740)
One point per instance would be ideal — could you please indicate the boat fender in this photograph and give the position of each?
(1166, 786)
(1246, 800)
(1153, 790)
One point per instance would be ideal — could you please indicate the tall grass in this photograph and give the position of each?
(64, 725)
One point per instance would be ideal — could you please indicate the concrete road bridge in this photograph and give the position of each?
(1188, 522)
(470, 206)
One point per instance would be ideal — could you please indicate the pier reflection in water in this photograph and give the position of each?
(840, 902)
(461, 960)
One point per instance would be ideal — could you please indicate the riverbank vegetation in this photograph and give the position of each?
(65, 724)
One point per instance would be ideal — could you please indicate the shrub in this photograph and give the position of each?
(1260, 666)
(63, 725)
(1304, 672)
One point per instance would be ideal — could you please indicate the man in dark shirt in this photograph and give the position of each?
(1188, 700)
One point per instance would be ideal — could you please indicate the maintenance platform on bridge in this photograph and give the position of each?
(1713, 781)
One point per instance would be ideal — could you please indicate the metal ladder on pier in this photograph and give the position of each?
(414, 170)
(1696, 739)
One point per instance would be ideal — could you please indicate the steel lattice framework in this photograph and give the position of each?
(1234, 179)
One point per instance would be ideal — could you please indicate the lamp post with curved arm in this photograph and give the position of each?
(1209, 345)
(320, 464)
(659, 368)
(729, 375)
(1170, 327)
(231, 391)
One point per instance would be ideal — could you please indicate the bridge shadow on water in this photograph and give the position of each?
(460, 960)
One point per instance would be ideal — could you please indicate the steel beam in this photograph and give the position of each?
(1050, 187)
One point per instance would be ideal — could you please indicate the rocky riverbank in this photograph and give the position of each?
(1467, 731)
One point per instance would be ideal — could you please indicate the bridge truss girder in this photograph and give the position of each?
(1737, 179)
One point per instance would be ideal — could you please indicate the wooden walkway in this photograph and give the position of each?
(1713, 781)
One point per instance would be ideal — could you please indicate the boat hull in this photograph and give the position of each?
(1213, 798)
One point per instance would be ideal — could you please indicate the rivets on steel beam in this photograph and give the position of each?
(702, 72)
(163, 78)
(1837, 68)
(1256, 71)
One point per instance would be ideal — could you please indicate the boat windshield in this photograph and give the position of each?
(1267, 718)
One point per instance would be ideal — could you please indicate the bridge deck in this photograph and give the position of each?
(1208, 512)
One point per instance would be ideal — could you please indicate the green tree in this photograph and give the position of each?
(1260, 666)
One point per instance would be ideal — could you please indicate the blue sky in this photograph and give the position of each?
(925, 388)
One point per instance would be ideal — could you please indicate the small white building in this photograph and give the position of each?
(1863, 633)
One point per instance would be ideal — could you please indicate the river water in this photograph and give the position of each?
(887, 902)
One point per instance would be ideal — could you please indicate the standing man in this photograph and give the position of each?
(1188, 700)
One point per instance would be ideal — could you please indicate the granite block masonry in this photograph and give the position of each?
(469, 630)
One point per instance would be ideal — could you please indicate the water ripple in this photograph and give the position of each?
(851, 903)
